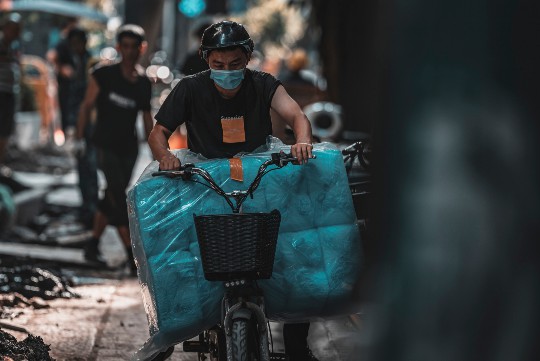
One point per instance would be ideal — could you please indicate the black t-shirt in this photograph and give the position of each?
(118, 102)
(196, 102)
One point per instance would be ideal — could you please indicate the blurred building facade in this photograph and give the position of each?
(336, 49)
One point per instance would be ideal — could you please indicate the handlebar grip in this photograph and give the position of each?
(283, 158)
(182, 171)
(169, 173)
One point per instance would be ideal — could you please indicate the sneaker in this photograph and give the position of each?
(96, 259)
(92, 254)
(164, 354)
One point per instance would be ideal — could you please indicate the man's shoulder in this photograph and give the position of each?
(105, 67)
(261, 79)
(260, 75)
(196, 81)
(197, 77)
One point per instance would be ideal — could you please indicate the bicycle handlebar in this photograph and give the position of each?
(187, 171)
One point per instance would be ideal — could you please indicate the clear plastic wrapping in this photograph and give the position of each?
(318, 253)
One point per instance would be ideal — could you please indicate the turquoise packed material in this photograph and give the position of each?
(318, 253)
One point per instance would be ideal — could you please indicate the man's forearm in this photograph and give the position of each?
(302, 129)
(158, 143)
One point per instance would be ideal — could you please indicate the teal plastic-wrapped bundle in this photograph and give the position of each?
(318, 252)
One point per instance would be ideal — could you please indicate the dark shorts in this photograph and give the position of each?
(117, 169)
(7, 114)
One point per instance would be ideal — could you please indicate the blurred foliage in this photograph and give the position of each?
(274, 25)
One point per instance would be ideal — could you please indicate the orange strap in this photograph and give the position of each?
(237, 172)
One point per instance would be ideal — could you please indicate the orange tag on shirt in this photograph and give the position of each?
(233, 130)
(237, 172)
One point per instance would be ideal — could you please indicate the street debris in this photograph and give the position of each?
(46, 159)
(32, 348)
(54, 225)
(29, 281)
(17, 300)
(26, 286)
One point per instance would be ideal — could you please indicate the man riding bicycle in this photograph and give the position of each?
(226, 110)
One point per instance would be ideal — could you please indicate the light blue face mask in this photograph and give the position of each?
(227, 79)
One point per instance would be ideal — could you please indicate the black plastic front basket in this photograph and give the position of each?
(238, 246)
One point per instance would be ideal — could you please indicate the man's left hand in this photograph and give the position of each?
(302, 151)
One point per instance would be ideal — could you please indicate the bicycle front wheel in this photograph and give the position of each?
(245, 340)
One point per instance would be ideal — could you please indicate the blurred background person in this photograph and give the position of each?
(10, 72)
(193, 63)
(80, 61)
(118, 92)
(61, 58)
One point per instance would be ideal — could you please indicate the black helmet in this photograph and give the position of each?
(225, 34)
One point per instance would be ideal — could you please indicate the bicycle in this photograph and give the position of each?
(237, 249)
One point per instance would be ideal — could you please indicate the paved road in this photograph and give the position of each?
(108, 322)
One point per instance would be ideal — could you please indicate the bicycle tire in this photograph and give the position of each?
(245, 340)
(239, 339)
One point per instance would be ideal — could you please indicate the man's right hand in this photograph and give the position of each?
(169, 162)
